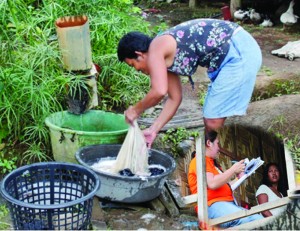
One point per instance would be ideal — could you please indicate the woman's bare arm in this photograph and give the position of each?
(263, 198)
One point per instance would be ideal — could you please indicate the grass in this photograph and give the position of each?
(33, 83)
(292, 141)
(121, 86)
(267, 71)
(4, 212)
(278, 87)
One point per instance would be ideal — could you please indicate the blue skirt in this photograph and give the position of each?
(232, 85)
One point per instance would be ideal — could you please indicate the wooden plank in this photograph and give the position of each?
(253, 210)
(295, 194)
(187, 121)
(190, 199)
(201, 179)
(157, 205)
(173, 190)
(290, 170)
(167, 201)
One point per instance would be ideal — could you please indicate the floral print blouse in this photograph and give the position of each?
(203, 42)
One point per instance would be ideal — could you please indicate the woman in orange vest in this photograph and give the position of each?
(220, 198)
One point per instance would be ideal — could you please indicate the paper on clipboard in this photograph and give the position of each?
(250, 168)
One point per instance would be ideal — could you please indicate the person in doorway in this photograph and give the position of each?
(270, 189)
(230, 54)
(220, 199)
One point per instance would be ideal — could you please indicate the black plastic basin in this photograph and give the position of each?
(124, 188)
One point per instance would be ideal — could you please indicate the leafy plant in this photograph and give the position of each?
(35, 153)
(278, 88)
(173, 137)
(266, 70)
(7, 164)
(159, 28)
(76, 85)
(3, 133)
(293, 144)
(33, 83)
(278, 122)
(291, 141)
(202, 96)
(4, 213)
(287, 87)
(120, 85)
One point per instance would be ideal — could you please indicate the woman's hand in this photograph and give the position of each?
(239, 168)
(217, 181)
(131, 115)
(240, 174)
(150, 135)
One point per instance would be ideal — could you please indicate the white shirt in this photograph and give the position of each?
(264, 189)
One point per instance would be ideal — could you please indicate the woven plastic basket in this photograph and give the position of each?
(50, 196)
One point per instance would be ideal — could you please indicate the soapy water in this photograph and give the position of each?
(107, 163)
(104, 164)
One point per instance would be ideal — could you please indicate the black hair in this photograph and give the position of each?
(212, 136)
(265, 180)
(193, 154)
(132, 42)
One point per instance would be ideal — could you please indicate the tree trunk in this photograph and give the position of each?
(234, 5)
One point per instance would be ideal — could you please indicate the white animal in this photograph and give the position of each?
(288, 17)
(266, 23)
(254, 16)
(241, 15)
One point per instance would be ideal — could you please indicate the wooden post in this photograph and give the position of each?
(234, 5)
(201, 179)
(290, 170)
(194, 3)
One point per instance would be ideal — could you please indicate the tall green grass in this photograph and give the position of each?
(32, 80)
(120, 85)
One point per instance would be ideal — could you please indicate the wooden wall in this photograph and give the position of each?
(239, 142)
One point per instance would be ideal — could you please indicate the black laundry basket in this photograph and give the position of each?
(50, 196)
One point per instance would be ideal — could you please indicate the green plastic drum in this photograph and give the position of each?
(69, 132)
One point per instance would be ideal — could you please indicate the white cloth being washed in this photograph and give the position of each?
(133, 154)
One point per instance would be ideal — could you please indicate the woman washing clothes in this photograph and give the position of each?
(230, 54)
(220, 198)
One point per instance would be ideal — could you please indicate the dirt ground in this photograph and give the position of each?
(269, 38)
